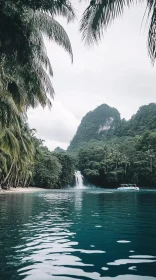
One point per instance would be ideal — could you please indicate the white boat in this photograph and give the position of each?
(128, 187)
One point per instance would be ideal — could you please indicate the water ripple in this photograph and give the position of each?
(65, 235)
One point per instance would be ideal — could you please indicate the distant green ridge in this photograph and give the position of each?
(105, 123)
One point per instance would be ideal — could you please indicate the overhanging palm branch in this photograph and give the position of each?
(98, 15)
(15, 27)
(9, 143)
(53, 30)
(39, 51)
(30, 80)
(54, 7)
(101, 13)
(8, 110)
(3, 162)
(22, 49)
(152, 31)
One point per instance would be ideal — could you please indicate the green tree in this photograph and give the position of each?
(25, 79)
(51, 170)
(47, 170)
(68, 168)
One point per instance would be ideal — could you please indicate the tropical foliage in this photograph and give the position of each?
(104, 120)
(124, 160)
(16, 155)
(111, 151)
(101, 13)
(52, 170)
(104, 124)
(25, 81)
(25, 78)
(25, 66)
(59, 150)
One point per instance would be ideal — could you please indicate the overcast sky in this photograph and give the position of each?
(117, 72)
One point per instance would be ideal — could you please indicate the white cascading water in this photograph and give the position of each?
(79, 180)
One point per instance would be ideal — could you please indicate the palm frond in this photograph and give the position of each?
(39, 51)
(8, 109)
(63, 8)
(3, 162)
(10, 143)
(51, 28)
(150, 5)
(98, 16)
(152, 34)
(54, 7)
(44, 78)
(34, 84)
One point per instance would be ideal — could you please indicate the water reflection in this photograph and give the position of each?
(78, 200)
(84, 234)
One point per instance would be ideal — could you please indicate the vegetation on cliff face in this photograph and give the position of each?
(122, 153)
(109, 151)
(59, 150)
(143, 120)
(124, 160)
(104, 123)
(97, 124)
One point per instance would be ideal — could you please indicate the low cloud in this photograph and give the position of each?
(56, 126)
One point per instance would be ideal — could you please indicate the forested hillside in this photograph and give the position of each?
(96, 124)
(144, 119)
(59, 150)
(123, 160)
(105, 123)
(118, 151)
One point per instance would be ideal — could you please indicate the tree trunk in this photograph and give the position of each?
(16, 177)
(17, 182)
(6, 178)
(25, 182)
(151, 164)
(116, 164)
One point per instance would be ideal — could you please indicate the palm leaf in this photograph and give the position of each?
(51, 28)
(34, 84)
(10, 143)
(44, 78)
(98, 16)
(54, 7)
(39, 51)
(152, 34)
(8, 109)
(3, 162)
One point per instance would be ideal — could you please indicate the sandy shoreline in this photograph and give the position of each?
(23, 190)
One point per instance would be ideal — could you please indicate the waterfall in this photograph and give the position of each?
(79, 179)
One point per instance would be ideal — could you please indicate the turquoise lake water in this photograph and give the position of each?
(78, 234)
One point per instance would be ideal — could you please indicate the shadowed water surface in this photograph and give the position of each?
(78, 234)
